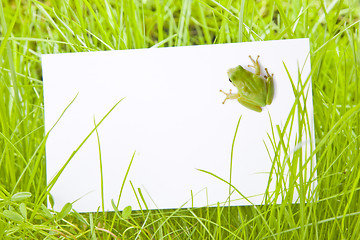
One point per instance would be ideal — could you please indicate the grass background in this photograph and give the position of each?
(31, 28)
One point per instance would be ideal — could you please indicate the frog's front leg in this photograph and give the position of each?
(256, 65)
(230, 95)
(269, 87)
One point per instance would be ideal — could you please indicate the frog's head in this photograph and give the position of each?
(234, 75)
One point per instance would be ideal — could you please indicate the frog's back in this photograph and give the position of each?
(254, 88)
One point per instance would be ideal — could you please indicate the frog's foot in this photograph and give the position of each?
(230, 95)
(256, 65)
(268, 75)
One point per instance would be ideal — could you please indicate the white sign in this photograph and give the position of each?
(172, 116)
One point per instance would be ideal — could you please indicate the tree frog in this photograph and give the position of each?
(254, 91)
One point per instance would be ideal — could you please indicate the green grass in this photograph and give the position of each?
(31, 28)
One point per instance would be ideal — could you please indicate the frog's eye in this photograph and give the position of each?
(230, 80)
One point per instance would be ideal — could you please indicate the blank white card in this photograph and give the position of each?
(172, 116)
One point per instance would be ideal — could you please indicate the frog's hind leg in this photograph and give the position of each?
(249, 105)
(256, 65)
(269, 87)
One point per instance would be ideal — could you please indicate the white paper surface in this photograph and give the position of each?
(172, 116)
